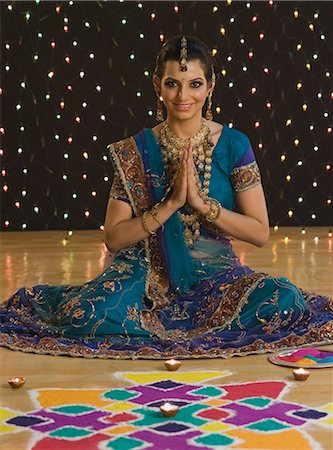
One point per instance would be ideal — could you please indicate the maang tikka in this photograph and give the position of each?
(183, 54)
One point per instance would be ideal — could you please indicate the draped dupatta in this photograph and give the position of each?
(139, 164)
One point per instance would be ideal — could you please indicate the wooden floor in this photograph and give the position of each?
(29, 258)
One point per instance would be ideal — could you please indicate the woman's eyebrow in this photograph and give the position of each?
(175, 79)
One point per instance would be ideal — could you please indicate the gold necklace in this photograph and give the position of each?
(172, 151)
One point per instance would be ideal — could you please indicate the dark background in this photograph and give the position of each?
(42, 189)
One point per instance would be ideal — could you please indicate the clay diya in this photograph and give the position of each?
(172, 364)
(169, 410)
(301, 374)
(16, 382)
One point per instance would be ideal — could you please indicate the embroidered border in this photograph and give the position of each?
(51, 346)
(245, 177)
(117, 189)
(128, 163)
(233, 300)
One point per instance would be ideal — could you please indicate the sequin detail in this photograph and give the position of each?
(245, 177)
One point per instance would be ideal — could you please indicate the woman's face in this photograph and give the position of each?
(184, 93)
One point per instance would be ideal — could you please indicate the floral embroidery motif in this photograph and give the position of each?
(245, 177)
(151, 322)
(117, 189)
(233, 298)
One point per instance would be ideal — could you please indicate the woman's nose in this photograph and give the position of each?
(182, 92)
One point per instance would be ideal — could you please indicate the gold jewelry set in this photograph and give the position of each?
(202, 147)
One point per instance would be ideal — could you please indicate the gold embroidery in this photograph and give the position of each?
(245, 177)
(51, 346)
(129, 165)
(150, 321)
(117, 189)
(234, 297)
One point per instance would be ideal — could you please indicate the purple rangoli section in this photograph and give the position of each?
(57, 420)
(151, 394)
(245, 415)
(162, 442)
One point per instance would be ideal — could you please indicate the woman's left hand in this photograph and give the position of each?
(194, 198)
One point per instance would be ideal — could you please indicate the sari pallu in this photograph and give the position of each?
(160, 298)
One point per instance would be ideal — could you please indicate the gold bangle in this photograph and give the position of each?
(215, 210)
(154, 213)
(144, 224)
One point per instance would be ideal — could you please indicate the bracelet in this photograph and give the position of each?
(215, 209)
(154, 213)
(144, 224)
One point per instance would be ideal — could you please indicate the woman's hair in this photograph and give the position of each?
(196, 49)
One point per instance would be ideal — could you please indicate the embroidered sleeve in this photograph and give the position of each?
(117, 190)
(245, 175)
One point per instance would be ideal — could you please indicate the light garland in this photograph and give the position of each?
(84, 84)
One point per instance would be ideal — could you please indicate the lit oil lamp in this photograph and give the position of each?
(168, 409)
(172, 364)
(301, 374)
(16, 382)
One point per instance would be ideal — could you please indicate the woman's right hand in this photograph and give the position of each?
(179, 190)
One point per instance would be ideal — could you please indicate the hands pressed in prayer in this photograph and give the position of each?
(179, 191)
(186, 189)
(193, 197)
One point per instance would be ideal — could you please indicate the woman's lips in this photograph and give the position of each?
(183, 106)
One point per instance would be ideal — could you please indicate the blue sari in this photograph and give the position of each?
(161, 298)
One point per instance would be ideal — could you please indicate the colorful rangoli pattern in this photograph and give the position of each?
(239, 415)
(305, 357)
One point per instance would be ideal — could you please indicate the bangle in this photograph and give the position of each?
(215, 209)
(144, 224)
(154, 213)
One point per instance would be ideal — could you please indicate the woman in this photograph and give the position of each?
(175, 288)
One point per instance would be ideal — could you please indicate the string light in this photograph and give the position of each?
(69, 65)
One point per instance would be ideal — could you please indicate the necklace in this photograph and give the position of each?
(172, 152)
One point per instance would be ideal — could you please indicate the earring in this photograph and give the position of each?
(209, 114)
(159, 110)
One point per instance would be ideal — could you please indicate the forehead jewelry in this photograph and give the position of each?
(183, 54)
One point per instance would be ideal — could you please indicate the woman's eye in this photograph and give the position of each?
(171, 84)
